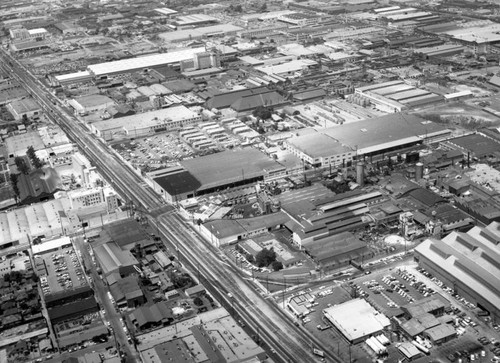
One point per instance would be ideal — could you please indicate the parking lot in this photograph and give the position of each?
(387, 292)
(63, 272)
(324, 297)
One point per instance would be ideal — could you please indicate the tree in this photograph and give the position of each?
(263, 8)
(277, 265)
(262, 112)
(250, 258)
(198, 301)
(21, 164)
(265, 257)
(35, 160)
(13, 179)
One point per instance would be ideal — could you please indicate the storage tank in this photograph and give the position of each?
(419, 171)
(360, 173)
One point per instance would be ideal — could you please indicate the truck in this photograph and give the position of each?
(318, 352)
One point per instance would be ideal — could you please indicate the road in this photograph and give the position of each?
(101, 292)
(291, 343)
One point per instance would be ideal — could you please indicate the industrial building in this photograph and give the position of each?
(334, 251)
(223, 232)
(395, 96)
(102, 70)
(476, 146)
(166, 119)
(478, 34)
(214, 172)
(290, 69)
(356, 320)
(225, 100)
(25, 108)
(387, 135)
(111, 259)
(468, 263)
(194, 20)
(319, 216)
(38, 185)
(92, 103)
(213, 31)
(127, 292)
(319, 150)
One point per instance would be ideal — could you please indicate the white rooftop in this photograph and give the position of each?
(125, 65)
(166, 11)
(356, 319)
(50, 245)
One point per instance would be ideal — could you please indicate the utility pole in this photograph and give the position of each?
(284, 289)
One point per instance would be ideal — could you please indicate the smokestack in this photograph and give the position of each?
(360, 173)
(419, 171)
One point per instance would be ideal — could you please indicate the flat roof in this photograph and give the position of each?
(393, 89)
(179, 35)
(72, 76)
(229, 167)
(93, 100)
(399, 96)
(356, 319)
(18, 144)
(223, 228)
(318, 145)
(165, 11)
(25, 105)
(477, 143)
(147, 119)
(288, 67)
(391, 129)
(125, 65)
(126, 232)
(51, 245)
(177, 183)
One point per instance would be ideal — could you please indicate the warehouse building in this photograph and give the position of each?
(222, 232)
(163, 120)
(213, 31)
(334, 251)
(319, 150)
(194, 20)
(25, 108)
(387, 135)
(92, 103)
(467, 262)
(102, 70)
(290, 69)
(396, 96)
(111, 258)
(214, 172)
(356, 320)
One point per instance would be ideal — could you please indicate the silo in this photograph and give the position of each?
(419, 171)
(360, 173)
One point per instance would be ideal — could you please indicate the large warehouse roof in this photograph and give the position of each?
(186, 34)
(318, 145)
(229, 167)
(383, 132)
(471, 258)
(125, 65)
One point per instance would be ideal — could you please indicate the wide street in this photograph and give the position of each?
(267, 320)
